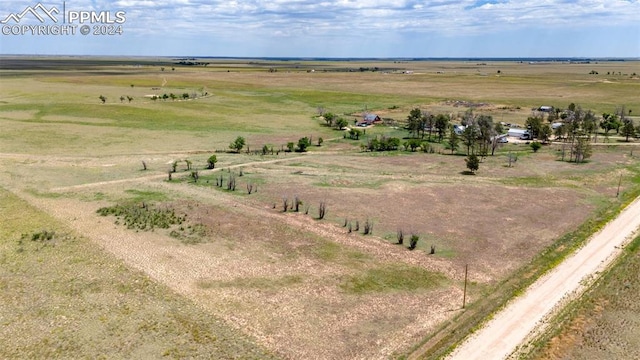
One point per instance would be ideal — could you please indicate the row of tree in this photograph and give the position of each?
(480, 134)
(301, 146)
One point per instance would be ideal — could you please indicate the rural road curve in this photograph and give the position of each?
(511, 327)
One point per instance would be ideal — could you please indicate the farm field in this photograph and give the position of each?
(284, 283)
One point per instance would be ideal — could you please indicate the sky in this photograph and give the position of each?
(327, 28)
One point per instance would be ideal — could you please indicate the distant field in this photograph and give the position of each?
(293, 285)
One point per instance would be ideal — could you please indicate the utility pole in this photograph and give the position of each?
(619, 183)
(464, 294)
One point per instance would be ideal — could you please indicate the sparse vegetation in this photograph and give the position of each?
(148, 217)
(300, 256)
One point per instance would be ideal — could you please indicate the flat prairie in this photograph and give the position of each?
(283, 283)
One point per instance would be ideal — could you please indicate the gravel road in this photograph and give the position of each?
(521, 319)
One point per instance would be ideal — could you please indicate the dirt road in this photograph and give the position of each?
(501, 337)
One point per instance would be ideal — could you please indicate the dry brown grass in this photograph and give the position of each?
(65, 298)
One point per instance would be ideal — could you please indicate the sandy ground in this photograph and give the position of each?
(501, 337)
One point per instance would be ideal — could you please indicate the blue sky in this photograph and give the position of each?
(342, 28)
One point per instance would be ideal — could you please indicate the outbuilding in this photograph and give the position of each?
(518, 132)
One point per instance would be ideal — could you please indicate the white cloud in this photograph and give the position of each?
(329, 21)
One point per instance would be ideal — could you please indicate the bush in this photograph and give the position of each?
(211, 162)
(303, 144)
(535, 146)
(473, 163)
(368, 227)
(413, 242)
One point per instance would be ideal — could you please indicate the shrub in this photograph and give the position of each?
(473, 163)
(368, 227)
(211, 162)
(535, 146)
(303, 144)
(237, 144)
(413, 242)
(322, 210)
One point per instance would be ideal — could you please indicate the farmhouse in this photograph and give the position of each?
(370, 119)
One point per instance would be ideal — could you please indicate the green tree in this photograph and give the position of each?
(303, 144)
(237, 144)
(442, 123)
(473, 163)
(413, 144)
(329, 118)
(609, 122)
(320, 141)
(454, 141)
(486, 132)
(102, 98)
(560, 131)
(545, 133)
(291, 146)
(534, 125)
(211, 162)
(354, 134)
(429, 122)
(414, 122)
(469, 137)
(628, 130)
(341, 123)
(582, 149)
